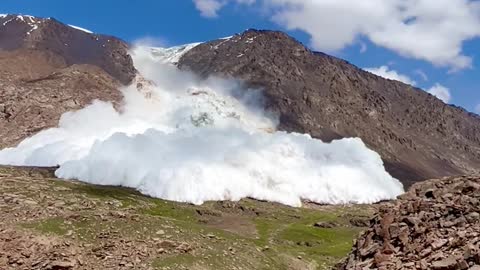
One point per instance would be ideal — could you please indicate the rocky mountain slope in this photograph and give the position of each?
(436, 225)
(48, 68)
(417, 135)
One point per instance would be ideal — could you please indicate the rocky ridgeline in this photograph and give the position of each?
(436, 225)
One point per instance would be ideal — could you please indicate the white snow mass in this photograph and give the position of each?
(81, 29)
(186, 139)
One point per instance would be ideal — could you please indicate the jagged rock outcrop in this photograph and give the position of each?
(418, 136)
(436, 225)
(48, 68)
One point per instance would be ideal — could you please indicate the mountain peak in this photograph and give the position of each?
(67, 43)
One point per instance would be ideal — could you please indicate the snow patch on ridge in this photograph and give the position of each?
(171, 55)
(28, 19)
(81, 29)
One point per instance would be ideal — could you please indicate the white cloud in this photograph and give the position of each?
(477, 109)
(387, 73)
(422, 74)
(209, 8)
(430, 30)
(441, 92)
(363, 47)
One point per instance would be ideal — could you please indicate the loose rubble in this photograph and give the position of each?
(436, 225)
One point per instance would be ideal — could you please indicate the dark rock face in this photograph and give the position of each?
(71, 46)
(436, 225)
(417, 135)
(48, 68)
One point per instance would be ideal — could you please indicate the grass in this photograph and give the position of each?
(126, 196)
(49, 226)
(170, 210)
(175, 261)
(334, 242)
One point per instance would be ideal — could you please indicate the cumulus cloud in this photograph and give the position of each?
(441, 92)
(477, 109)
(430, 30)
(386, 72)
(422, 74)
(193, 140)
(209, 8)
(363, 47)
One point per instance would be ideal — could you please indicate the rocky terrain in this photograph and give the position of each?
(48, 223)
(48, 68)
(418, 136)
(436, 225)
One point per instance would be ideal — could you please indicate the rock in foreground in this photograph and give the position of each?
(436, 225)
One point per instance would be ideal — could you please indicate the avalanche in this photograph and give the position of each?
(186, 139)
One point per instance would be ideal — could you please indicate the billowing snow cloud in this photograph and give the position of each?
(430, 30)
(441, 92)
(191, 140)
(386, 72)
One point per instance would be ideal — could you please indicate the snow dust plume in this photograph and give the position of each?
(191, 140)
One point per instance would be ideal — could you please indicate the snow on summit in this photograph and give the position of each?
(81, 29)
(171, 55)
(193, 140)
(34, 22)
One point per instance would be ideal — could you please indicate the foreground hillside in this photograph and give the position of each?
(47, 223)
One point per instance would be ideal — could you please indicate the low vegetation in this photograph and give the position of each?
(97, 226)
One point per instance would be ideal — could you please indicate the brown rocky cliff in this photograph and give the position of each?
(48, 68)
(69, 45)
(417, 135)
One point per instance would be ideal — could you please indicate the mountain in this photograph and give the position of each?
(417, 135)
(48, 68)
(66, 45)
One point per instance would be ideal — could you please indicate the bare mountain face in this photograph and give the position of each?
(48, 68)
(417, 135)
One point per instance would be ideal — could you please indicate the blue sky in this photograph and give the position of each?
(400, 38)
